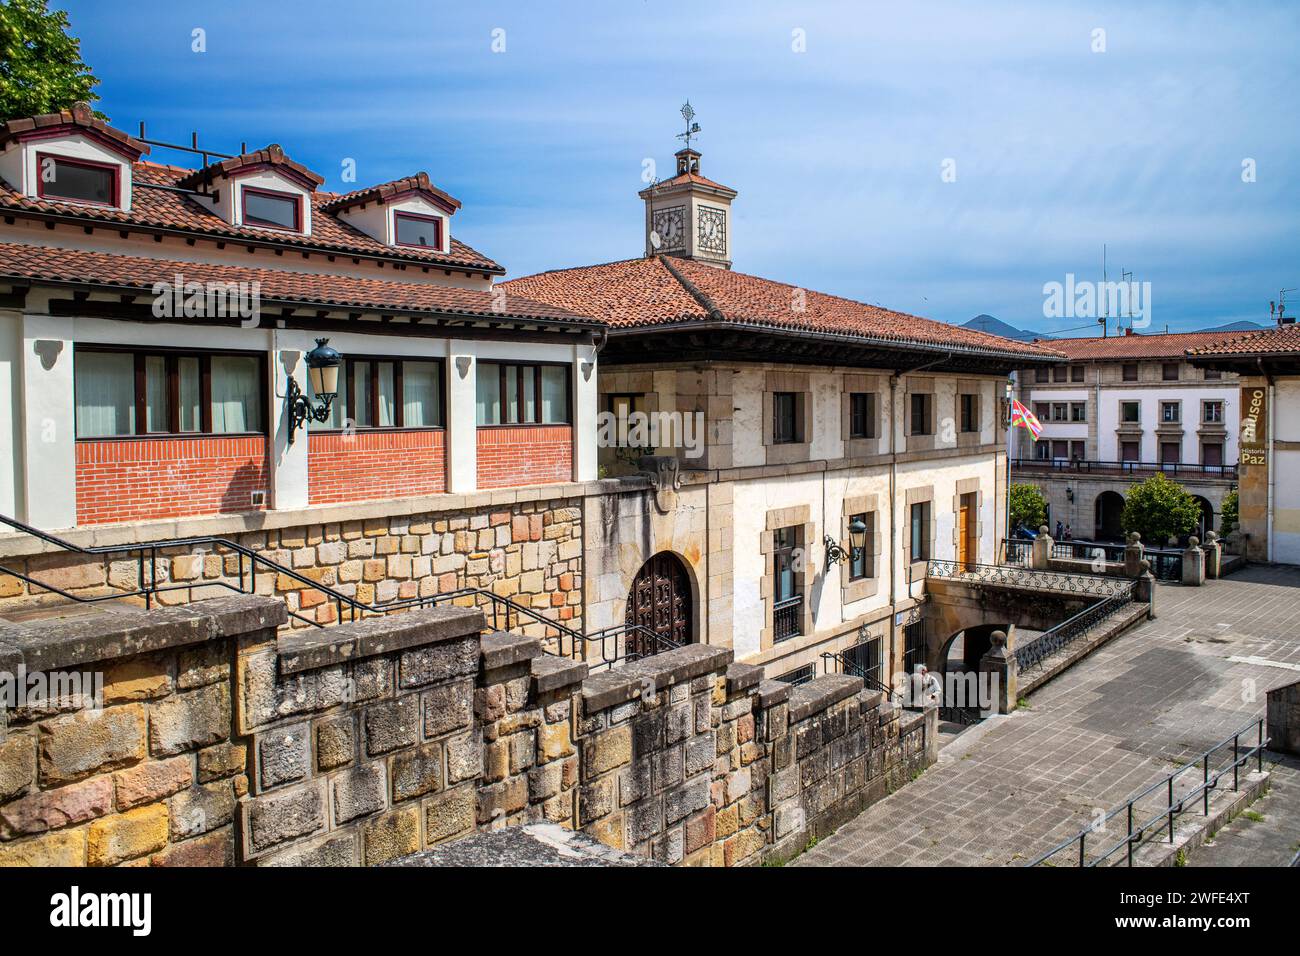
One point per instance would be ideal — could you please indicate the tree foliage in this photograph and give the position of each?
(1229, 515)
(1159, 509)
(41, 70)
(1028, 507)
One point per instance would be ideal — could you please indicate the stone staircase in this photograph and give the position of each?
(1103, 631)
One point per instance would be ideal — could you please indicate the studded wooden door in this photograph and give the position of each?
(659, 602)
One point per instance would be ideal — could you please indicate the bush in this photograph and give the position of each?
(1158, 509)
(1228, 517)
(1028, 507)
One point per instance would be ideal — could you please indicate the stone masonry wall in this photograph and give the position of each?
(226, 740)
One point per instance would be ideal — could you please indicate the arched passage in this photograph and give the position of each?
(1109, 511)
(660, 602)
(1207, 516)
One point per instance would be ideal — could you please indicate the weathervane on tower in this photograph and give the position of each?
(688, 114)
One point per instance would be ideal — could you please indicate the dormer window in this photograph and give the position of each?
(272, 210)
(424, 232)
(76, 180)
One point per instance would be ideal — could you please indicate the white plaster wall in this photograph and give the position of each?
(747, 424)
(11, 423)
(49, 422)
(264, 179)
(1150, 399)
(19, 167)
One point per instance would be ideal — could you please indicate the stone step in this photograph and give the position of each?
(1105, 630)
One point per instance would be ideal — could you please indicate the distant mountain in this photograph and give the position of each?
(995, 326)
(1241, 326)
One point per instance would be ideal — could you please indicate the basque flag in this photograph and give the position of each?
(1025, 418)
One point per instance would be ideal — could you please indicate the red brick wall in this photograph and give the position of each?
(370, 465)
(138, 479)
(524, 455)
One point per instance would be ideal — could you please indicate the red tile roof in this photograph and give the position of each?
(386, 191)
(1282, 340)
(80, 116)
(1116, 348)
(683, 178)
(272, 155)
(163, 209)
(637, 293)
(140, 273)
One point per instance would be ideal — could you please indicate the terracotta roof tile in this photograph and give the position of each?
(1282, 340)
(272, 155)
(387, 191)
(81, 116)
(1137, 346)
(636, 293)
(140, 273)
(683, 178)
(165, 209)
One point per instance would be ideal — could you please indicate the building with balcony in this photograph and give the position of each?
(1121, 409)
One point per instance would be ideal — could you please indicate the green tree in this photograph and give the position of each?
(1228, 515)
(1158, 509)
(1028, 507)
(41, 70)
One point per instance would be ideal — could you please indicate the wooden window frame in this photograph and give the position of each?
(927, 419)
(868, 415)
(244, 192)
(1124, 372)
(1076, 373)
(794, 435)
(1164, 372)
(348, 387)
(172, 359)
(436, 220)
(537, 392)
(43, 192)
(973, 424)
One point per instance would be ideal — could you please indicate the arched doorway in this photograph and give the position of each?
(1207, 516)
(659, 601)
(1109, 515)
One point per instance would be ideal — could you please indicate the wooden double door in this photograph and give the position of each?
(659, 602)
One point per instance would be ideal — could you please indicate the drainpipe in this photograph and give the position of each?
(1271, 463)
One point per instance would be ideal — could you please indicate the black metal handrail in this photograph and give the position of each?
(1055, 638)
(149, 586)
(1080, 465)
(1135, 833)
(1018, 551)
(839, 662)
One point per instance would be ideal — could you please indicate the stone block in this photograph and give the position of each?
(202, 809)
(439, 662)
(700, 752)
(448, 708)
(339, 849)
(391, 725)
(502, 799)
(690, 797)
(283, 755)
(700, 829)
(644, 820)
(196, 718)
(65, 849)
(222, 760)
(152, 781)
(448, 815)
(125, 836)
(355, 793)
(54, 809)
(604, 751)
(464, 758)
(335, 742)
(17, 765)
(214, 849)
(80, 744)
(596, 799)
(391, 836)
(200, 666)
(137, 678)
(283, 816)
(417, 772)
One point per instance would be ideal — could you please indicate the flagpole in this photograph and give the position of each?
(1006, 558)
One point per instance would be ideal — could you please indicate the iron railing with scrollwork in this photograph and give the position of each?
(1050, 641)
(1014, 576)
(1079, 465)
(1175, 795)
(787, 618)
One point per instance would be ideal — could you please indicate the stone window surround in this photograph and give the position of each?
(916, 496)
(784, 381)
(799, 516)
(1161, 422)
(966, 439)
(1207, 425)
(647, 399)
(918, 386)
(860, 447)
(967, 486)
(862, 588)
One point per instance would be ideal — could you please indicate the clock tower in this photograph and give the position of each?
(689, 216)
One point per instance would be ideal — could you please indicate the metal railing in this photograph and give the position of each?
(1018, 551)
(847, 662)
(1015, 576)
(1054, 639)
(503, 609)
(1082, 466)
(1138, 829)
(787, 618)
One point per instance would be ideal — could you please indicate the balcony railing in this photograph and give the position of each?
(787, 618)
(1073, 466)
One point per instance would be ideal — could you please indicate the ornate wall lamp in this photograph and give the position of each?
(323, 372)
(835, 554)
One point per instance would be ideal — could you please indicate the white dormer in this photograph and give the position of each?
(261, 190)
(410, 214)
(69, 157)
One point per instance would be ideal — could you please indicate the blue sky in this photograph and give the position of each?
(837, 151)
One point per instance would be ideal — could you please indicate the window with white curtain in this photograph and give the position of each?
(386, 393)
(513, 394)
(123, 393)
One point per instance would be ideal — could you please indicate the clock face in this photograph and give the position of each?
(712, 236)
(670, 226)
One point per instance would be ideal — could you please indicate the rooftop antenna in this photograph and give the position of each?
(1101, 297)
(193, 147)
(1282, 318)
(1124, 278)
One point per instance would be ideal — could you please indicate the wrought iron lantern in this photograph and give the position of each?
(836, 554)
(323, 373)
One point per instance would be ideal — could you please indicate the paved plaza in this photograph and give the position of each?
(1007, 790)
